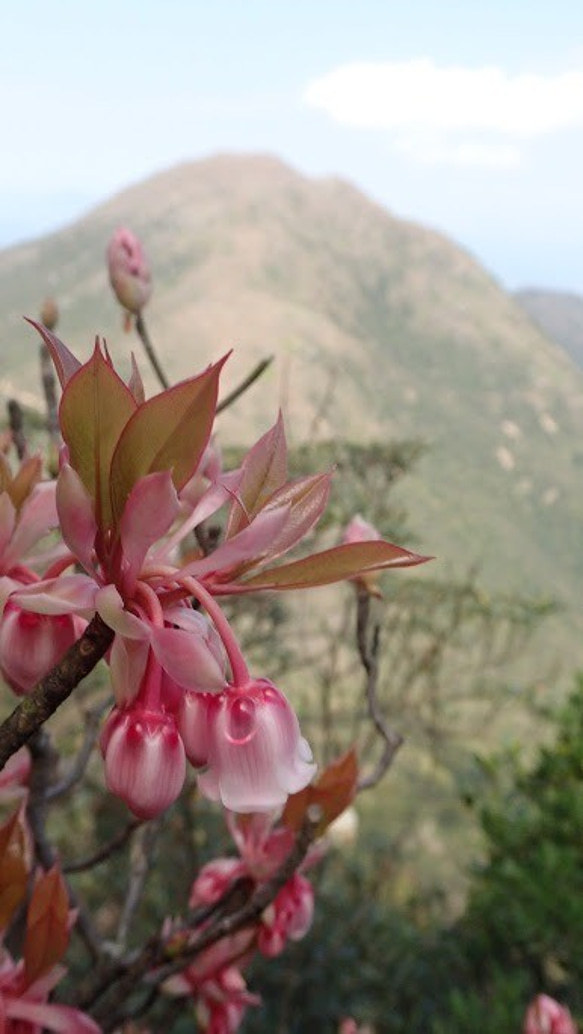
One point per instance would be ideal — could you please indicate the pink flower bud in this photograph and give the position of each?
(31, 644)
(257, 755)
(144, 759)
(129, 271)
(545, 1016)
(359, 530)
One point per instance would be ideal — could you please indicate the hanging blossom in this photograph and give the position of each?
(136, 478)
(30, 644)
(129, 271)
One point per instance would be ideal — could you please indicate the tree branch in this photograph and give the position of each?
(368, 642)
(246, 383)
(54, 689)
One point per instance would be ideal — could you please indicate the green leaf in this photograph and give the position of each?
(263, 472)
(168, 432)
(333, 565)
(47, 925)
(95, 407)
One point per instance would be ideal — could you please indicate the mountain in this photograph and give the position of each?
(559, 315)
(381, 328)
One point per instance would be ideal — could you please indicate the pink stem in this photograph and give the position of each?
(239, 669)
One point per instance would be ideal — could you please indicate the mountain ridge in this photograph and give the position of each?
(381, 328)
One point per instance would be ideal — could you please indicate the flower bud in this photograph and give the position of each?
(545, 1016)
(256, 753)
(289, 917)
(359, 530)
(129, 271)
(49, 313)
(144, 759)
(31, 644)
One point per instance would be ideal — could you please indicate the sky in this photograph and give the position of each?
(465, 115)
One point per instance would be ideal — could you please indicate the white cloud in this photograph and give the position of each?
(468, 116)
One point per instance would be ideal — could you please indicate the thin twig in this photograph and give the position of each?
(368, 642)
(54, 689)
(150, 351)
(16, 422)
(246, 383)
(49, 384)
(44, 761)
(93, 717)
(140, 864)
(105, 852)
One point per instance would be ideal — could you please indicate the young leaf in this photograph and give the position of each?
(332, 793)
(333, 565)
(66, 364)
(14, 866)
(169, 432)
(263, 472)
(47, 925)
(95, 407)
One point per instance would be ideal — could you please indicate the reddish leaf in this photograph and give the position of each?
(47, 925)
(331, 793)
(333, 565)
(263, 472)
(95, 407)
(14, 866)
(169, 432)
(66, 364)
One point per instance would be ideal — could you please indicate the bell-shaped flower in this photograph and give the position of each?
(545, 1016)
(129, 271)
(31, 644)
(144, 759)
(143, 753)
(257, 755)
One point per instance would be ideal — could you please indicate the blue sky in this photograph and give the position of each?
(467, 116)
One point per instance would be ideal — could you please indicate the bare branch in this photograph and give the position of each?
(93, 716)
(115, 844)
(246, 383)
(16, 422)
(368, 641)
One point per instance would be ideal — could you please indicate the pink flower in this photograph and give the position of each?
(31, 644)
(545, 1016)
(144, 756)
(24, 1008)
(359, 530)
(289, 917)
(256, 753)
(129, 271)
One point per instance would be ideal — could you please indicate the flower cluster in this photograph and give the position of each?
(137, 477)
(215, 980)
